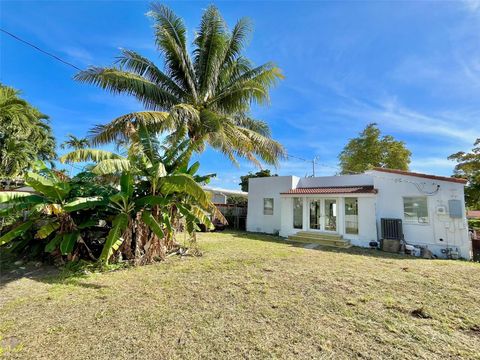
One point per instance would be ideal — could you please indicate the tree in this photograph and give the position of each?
(24, 135)
(468, 167)
(370, 150)
(49, 211)
(205, 96)
(75, 142)
(152, 190)
(156, 188)
(237, 200)
(244, 179)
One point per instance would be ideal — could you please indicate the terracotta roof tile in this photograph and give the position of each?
(362, 189)
(473, 214)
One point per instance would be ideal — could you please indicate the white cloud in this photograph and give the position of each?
(453, 125)
(79, 54)
(472, 5)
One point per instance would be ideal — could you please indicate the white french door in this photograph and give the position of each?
(323, 215)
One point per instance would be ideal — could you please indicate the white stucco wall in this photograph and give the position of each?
(441, 231)
(339, 180)
(259, 189)
(366, 219)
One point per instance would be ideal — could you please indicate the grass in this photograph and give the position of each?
(250, 296)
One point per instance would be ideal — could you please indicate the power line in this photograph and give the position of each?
(38, 49)
(313, 162)
(296, 157)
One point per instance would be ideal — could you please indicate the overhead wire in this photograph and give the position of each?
(16, 37)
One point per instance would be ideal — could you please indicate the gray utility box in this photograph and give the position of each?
(455, 209)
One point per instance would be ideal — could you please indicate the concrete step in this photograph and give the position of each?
(320, 240)
(322, 235)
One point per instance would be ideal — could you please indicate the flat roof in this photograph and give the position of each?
(426, 176)
(226, 191)
(362, 189)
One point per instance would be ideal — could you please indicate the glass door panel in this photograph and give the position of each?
(297, 213)
(330, 211)
(315, 215)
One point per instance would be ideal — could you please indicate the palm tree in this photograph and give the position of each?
(24, 134)
(75, 143)
(205, 97)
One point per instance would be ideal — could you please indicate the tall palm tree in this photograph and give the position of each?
(204, 96)
(75, 143)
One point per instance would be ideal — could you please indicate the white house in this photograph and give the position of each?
(220, 196)
(350, 207)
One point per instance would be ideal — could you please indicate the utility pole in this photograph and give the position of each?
(314, 160)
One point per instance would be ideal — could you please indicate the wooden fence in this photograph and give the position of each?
(236, 215)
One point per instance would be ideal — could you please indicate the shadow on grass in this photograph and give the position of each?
(42, 272)
(354, 250)
(51, 275)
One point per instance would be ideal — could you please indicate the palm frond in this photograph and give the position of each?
(122, 82)
(237, 41)
(171, 40)
(112, 166)
(125, 127)
(150, 144)
(84, 155)
(143, 67)
(258, 126)
(211, 42)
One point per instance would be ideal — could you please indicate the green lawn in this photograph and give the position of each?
(250, 296)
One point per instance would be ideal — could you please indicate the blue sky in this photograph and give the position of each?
(411, 67)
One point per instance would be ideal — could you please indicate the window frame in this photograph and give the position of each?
(417, 222)
(265, 209)
(345, 215)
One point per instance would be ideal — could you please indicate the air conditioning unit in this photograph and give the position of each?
(392, 229)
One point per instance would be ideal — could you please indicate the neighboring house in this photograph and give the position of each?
(13, 185)
(235, 214)
(220, 196)
(350, 207)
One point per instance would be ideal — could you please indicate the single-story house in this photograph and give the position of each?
(430, 209)
(220, 196)
(235, 212)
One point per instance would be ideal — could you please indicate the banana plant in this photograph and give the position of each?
(47, 211)
(156, 188)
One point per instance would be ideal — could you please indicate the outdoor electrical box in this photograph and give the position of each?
(441, 210)
(455, 209)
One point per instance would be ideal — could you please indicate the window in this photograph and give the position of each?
(268, 206)
(351, 215)
(297, 213)
(415, 209)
